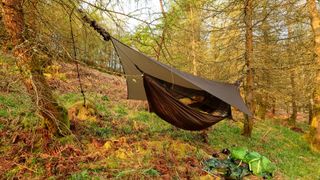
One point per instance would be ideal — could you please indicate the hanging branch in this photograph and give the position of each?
(75, 58)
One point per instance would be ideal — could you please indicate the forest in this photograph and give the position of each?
(159, 89)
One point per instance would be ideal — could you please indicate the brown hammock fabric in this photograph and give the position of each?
(163, 100)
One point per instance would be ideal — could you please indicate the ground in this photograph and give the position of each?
(118, 138)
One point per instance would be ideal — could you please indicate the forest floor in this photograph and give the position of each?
(118, 138)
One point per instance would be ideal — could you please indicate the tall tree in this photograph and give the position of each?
(31, 64)
(248, 123)
(315, 124)
(195, 25)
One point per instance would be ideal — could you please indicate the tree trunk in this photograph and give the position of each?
(163, 34)
(248, 122)
(273, 108)
(193, 43)
(315, 124)
(291, 58)
(263, 97)
(310, 111)
(310, 108)
(31, 66)
(195, 25)
(293, 117)
(262, 109)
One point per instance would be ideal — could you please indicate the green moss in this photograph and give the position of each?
(69, 99)
(127, 129)
(11, 173)
(104, 132)
(66, 139)
(121, 111)
(143, 116)
(83, 175)
(15, 106)
(125, 173)
(151, 172)
(105, 98)
(4, 113)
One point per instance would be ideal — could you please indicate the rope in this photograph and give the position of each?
(239, 81)
(106, 36)
(75, 58)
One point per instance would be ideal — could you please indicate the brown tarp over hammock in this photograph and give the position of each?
(163, 86)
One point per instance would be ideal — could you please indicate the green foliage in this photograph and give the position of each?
(103, 132)
(121, 111)
(143, 116)
(69, 99)
(83, 175)
(226, 168)
(11, 174)
(66, 139)
(18, 105)
(103, 110)
(124, 173)
(4, 113)
(105, 98)
(151, 172)
(127, 128)
(29, 120)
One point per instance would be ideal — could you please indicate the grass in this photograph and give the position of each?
(16, 107)
(287, 149)
(125, 143)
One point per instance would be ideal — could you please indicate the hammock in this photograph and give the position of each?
(163, 101)
(165, 88)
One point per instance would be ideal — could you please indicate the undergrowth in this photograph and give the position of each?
(121, 142)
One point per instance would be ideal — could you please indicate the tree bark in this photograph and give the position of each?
(195, 25)
(262, 109)
(315, 124)
(293, 117)
(291, 58)
(193, 42)
(273, 108)
(262, 99)
(163, 34)
(31, 67)
(248, 122)
(310, 111)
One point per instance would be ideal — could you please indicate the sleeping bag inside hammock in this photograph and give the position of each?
(167, 91)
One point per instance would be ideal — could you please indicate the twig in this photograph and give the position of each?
(265, 134)
(75, 57)
(25, 167)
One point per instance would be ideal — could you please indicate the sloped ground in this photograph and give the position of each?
(120, 139)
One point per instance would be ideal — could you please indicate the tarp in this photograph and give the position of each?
(135, 64)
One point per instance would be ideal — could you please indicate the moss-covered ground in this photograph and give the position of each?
(117, 138)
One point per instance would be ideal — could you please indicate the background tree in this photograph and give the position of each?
(315, 124)
(248, 123)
